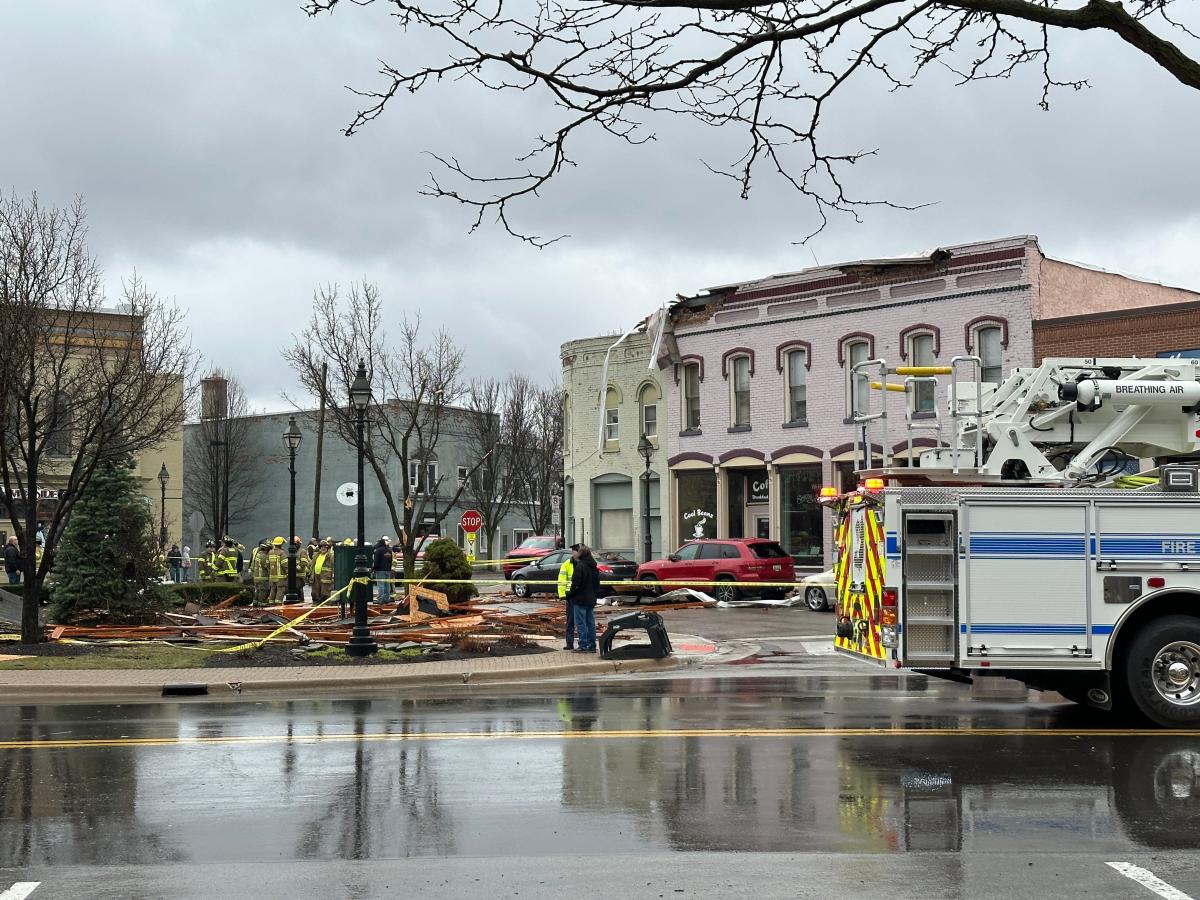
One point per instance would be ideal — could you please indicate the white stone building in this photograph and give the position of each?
(604, 494)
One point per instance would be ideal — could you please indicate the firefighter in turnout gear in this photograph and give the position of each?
(260, 571)
(322, 572)
(208, 562)
(226, 561)
(303, 566)
(277, 570)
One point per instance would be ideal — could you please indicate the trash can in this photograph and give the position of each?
(343, 564)
(651, 623)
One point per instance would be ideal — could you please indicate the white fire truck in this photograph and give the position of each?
(1033, 529)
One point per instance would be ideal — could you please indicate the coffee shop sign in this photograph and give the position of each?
(701, 518)
(42, 494)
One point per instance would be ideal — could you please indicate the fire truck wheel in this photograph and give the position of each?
(1162, 670)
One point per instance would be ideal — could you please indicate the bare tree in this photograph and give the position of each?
(79, 385)
(221, 478)
(771, 68)
(539, 457)
(495, 432)
(414, 387)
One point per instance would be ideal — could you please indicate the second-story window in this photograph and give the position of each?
(987, 339)
(611, 416)
(422, 477)
(920, 353)
(740, 388)
(648, 401)
(691, 397)
(797, 386)
(857, 399)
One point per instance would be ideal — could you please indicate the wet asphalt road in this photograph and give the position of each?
(762, 785)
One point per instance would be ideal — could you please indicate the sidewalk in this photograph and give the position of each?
(47, 684)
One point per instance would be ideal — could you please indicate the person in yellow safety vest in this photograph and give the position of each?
(322, 572)
(260, 571)
(208, 562)
(226, 561)
(303, 565)
(277, 570)
(565, 571)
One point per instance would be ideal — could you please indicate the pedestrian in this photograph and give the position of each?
(564, 587)
(381, 565)
(12, 560)
(187, 563)
(175, 561)
(585, 588)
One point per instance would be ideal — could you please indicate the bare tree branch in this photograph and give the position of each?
(770, 67)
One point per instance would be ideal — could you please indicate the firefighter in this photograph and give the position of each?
(261, 572)
(226, 561)
(208, 562)
(277, 570)
(314, 544)
(322, 572)
(303, 566)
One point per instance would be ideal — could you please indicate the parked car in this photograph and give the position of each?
(735, 560)
(612, 566)
(819, 590)
(529, 549)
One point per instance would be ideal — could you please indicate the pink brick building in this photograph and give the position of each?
(757, 394)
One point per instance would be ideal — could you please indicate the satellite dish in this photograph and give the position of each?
(347, 494)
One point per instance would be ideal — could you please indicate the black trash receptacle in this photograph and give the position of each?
(343, 564)
(651, 623)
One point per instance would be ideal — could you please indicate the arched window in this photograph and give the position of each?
(648, 398)
(857, 399)
(739, 391)
(612, 413)
(796, 373)
(989, 341)
(921, 352)
(691, 397)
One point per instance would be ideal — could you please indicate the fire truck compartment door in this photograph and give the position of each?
(1026, 573)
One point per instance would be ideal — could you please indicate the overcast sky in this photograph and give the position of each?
(205, 139)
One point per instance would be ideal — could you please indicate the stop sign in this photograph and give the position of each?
(471, 521)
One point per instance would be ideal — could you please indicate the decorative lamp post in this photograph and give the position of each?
(163, 477)
(646, 449)
(291, 439)
(361, 642)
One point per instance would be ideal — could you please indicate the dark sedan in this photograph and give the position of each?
(612, 568)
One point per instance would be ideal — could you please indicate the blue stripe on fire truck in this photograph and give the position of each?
(1032, 628)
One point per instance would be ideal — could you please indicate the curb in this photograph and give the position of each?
(10, 691)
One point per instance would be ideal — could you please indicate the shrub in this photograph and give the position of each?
(444, 559)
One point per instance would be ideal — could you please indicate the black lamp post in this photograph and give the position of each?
(163, 477)
(361, 641)
(646, 449)
(291, 440)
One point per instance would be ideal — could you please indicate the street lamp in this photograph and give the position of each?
(361, 642)
(291, 439)
(163, 477)
(646, 449)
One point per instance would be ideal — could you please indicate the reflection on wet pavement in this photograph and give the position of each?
(288, 795)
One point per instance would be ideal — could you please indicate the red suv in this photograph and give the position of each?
(528, 550)
(731, 562)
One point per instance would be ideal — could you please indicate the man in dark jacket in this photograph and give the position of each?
(12, 561)
(381, 563)
(585, 588)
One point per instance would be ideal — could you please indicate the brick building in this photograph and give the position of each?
(1172, 330)
(757, 382)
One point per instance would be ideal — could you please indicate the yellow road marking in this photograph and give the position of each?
(343, 737)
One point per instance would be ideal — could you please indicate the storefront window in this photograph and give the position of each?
(697, 504)
(799, 514)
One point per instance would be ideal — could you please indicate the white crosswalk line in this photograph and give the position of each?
(1146, 879)
(20, 890)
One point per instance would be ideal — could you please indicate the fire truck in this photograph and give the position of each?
(1046, 528)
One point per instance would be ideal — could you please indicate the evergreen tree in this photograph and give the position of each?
(445, 559)
(109, 559)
